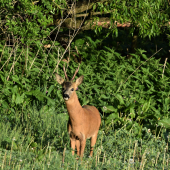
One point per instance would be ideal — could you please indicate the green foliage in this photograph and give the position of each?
(150, 17)
(140, 95)
(34, 120)
(165, 122)
(26, 20)
(142, 98)
(134, 103)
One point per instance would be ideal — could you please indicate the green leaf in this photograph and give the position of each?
(167, 101)
(85, 101)
(40, 96)
(132, 112)
(13, 97)
(164, 122)
(15, 89)
(148, 82)
(50, 89)
(111, 117)
(19, 99)
(16, 79)
(108, 109)
(104, 96)
(146, 105)
(120, 98)
(5, 105)
(111, 108)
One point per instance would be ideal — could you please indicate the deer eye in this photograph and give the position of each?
(72, 89)
(62, 89)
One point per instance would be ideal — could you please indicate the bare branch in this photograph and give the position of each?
(140, 66)
(14, 64)
(164, 67)
(70, 43)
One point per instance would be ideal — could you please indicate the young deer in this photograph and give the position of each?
(84, 122)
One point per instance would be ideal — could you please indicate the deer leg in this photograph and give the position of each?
(92, 143)
(82, 147)
(78, 147)
(72, 142)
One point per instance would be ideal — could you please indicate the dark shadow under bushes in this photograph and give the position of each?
(123, 42)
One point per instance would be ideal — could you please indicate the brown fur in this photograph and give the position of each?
(84, 122)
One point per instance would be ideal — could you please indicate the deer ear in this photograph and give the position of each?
(59, 79)
(79, 80)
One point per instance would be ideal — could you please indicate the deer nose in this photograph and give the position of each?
(66, 96)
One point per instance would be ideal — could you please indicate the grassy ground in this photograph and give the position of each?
(42, 142)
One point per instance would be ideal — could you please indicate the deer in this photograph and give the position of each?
(84, 121)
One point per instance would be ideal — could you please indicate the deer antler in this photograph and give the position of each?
(75, 72)
(65, 72)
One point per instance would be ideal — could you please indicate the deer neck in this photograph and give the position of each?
(74, 109)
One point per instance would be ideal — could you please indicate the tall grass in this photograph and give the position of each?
(49, 148)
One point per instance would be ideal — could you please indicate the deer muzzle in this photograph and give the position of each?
(66, 96)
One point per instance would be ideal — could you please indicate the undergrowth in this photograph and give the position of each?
(131, 95)
(49, 147)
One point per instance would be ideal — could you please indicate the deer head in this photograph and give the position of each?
(69, 87)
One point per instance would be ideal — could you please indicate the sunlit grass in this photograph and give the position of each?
(47, 146)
